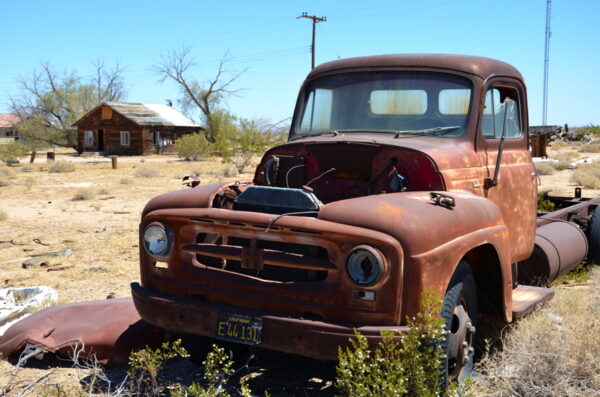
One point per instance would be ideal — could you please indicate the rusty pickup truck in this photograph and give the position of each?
(402, 173)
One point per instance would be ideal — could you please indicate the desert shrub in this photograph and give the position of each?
(566, 156)
(192, 147)
(558, 145)
(589, 129)
(146, 367)
(146, 171)
(3, 216)
(590, 148)
(228, 171)
(103, 191)
(29, 182)
(561, 165)
(410, 367)
(552, 352)
(61, 166)
(11, 152)
(587, 175)
(544, 169)
(218, 369)
(6, 174)
(83, 194)
(544, 204)
(126, 181)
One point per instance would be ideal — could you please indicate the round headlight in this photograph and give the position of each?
(365, 265)
(156, 241)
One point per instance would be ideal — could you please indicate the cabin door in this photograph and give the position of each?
(100, 140)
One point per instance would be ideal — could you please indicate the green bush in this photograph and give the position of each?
(11, 152)
(192, 147)
(146, 365)
(401, 365)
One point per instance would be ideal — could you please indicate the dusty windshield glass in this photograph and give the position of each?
(386, 102)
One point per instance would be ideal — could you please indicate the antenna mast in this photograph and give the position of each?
(546, 62)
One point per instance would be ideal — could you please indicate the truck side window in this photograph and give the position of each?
(494, 110)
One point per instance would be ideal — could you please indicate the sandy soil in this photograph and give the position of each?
(102, 232)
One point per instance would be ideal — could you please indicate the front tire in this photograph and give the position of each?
(593, 235)
(459, 312)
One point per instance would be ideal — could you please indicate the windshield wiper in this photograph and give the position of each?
(429, 131)
(333, 132)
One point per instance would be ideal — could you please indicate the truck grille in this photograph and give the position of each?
(264, 259)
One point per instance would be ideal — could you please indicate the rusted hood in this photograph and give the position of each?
(414, 219)
(108, 329)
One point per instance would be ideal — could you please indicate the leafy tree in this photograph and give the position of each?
(50, 102)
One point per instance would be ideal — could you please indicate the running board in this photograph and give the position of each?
(526, 297)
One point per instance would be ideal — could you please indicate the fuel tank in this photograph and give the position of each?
(559, 247)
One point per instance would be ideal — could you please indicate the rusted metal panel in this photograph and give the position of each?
(109, 330)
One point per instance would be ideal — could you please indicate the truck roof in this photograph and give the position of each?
(478, 66)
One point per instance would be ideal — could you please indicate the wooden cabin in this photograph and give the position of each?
(120, 128)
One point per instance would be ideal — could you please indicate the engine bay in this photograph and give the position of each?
(300, 178)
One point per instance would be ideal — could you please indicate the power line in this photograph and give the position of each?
(315, 20)
(546, 62)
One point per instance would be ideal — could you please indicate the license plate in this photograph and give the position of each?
(239, 328)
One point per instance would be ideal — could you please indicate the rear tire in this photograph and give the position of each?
(459, 312)
(593, 235)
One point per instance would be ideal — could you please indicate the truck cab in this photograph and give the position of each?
(402, 174)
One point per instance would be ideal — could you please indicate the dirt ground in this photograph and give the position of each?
(43, 216)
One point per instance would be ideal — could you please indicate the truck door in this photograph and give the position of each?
(516, 189)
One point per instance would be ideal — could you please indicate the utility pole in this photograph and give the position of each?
(315, 20)
(546, 62)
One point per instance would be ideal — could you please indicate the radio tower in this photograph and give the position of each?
(546, 62)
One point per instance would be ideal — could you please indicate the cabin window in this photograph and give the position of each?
(318, 112)
(156, 138)
(496, 109)
(88, 138)
(125, 138)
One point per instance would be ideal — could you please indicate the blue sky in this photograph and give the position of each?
(265, 38)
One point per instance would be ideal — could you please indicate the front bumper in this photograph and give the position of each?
(316, 339)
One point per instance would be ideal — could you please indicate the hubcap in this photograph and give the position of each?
(460, 341)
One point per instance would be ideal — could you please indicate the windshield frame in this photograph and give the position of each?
(304, 95)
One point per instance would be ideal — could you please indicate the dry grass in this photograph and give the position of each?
(3, 216)
(126, 181)
(558, 145)
(146, 171)
(590, 148)
(6, 174)
(83, 194)
(553, 352)
(61, 166)
(587, 175)
(544, 168)
(228, 171)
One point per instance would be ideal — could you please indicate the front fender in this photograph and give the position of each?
(197, 197)
(434, 238)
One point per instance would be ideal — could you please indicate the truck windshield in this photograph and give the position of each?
(410, 103)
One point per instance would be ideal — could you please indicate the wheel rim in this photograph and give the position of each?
(460, 341)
